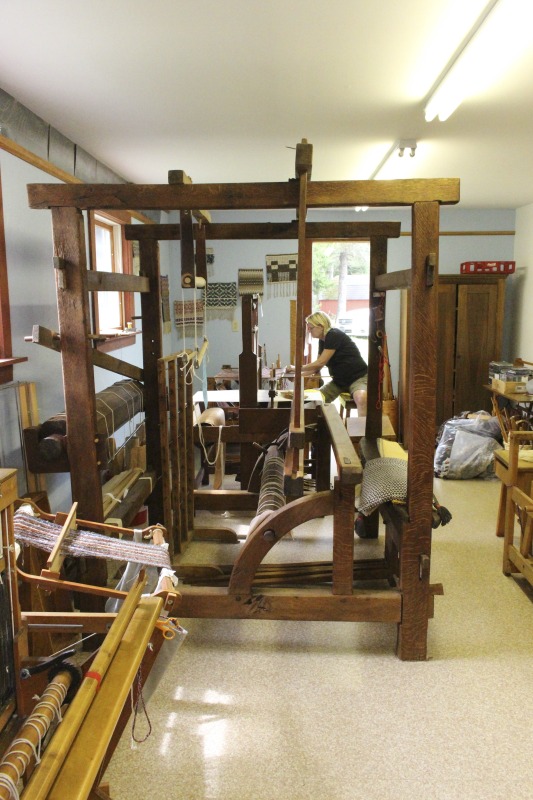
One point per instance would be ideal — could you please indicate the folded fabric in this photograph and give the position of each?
(384, 479)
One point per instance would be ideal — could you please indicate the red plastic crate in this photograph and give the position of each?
(494, 267)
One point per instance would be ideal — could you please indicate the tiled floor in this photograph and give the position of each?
(259, 710)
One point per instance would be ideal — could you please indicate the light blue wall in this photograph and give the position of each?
(226, 344)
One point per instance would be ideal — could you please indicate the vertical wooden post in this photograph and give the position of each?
(152, 338)
(78, 373)
(343, 538)
(415, 552)
(378, 266)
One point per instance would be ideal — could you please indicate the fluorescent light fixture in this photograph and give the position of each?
(492, 45)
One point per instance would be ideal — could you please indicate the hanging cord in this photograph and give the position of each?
(202, 442)
(135, 711)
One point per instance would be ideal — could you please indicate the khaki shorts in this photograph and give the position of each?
(331, 391)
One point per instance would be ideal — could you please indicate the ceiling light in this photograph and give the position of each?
(495, 41)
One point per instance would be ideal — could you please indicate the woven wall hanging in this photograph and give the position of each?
(188, 312)
(221, 295)
(251, 281)
(282, 274)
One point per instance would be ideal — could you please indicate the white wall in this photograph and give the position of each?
(521, 286)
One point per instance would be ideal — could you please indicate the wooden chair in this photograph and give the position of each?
(518, 507)
(520, 476)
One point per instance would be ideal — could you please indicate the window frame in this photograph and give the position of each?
(117, 219)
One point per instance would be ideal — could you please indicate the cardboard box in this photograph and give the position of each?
(508, 387)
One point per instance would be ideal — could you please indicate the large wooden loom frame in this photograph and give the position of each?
(408, 540)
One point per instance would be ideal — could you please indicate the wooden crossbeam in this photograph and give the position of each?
(265, 230)
(116, 282)
(322, 194)
(52, 340)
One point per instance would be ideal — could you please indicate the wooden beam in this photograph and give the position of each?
(52, 340)
(348, 463)
(321, 194)
(318, 603)
(393, 280)
(116, 282)
(267, 230)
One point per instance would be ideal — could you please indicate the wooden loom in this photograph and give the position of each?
(408, 541)
(88, 689)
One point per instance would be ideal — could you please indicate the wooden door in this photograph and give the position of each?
(478, 343)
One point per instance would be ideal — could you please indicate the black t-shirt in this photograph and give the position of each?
(346, 364)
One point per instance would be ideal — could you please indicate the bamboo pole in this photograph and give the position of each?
(56, 752)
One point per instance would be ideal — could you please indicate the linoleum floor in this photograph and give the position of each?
(261, 710)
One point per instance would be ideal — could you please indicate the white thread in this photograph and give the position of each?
(201, 437)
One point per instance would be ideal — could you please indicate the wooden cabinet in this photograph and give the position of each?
(470, 325)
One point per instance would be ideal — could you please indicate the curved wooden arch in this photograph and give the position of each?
(270, 531)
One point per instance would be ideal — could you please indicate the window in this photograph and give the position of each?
(110, 252)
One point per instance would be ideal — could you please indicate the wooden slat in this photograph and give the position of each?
(266, 230)
(348, 463)
(322, 194)
(317, 603)
(393, 280)
(179, 176)
(116, 282)
(52, 340)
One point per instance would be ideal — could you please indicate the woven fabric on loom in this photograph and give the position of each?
(251, 281)
(221, 295)
(282, 274)
(43, 534)
(189, 312)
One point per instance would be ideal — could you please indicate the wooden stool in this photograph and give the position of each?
(356, 428)
(347, 404)
(524, 476)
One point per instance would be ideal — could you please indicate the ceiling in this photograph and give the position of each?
(223, 89)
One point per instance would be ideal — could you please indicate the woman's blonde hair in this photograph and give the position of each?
(319, 318)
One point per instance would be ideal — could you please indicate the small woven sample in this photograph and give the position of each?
(221, 295)
(282, 274)
(189, 312)
(251, 281)
(384, 479)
